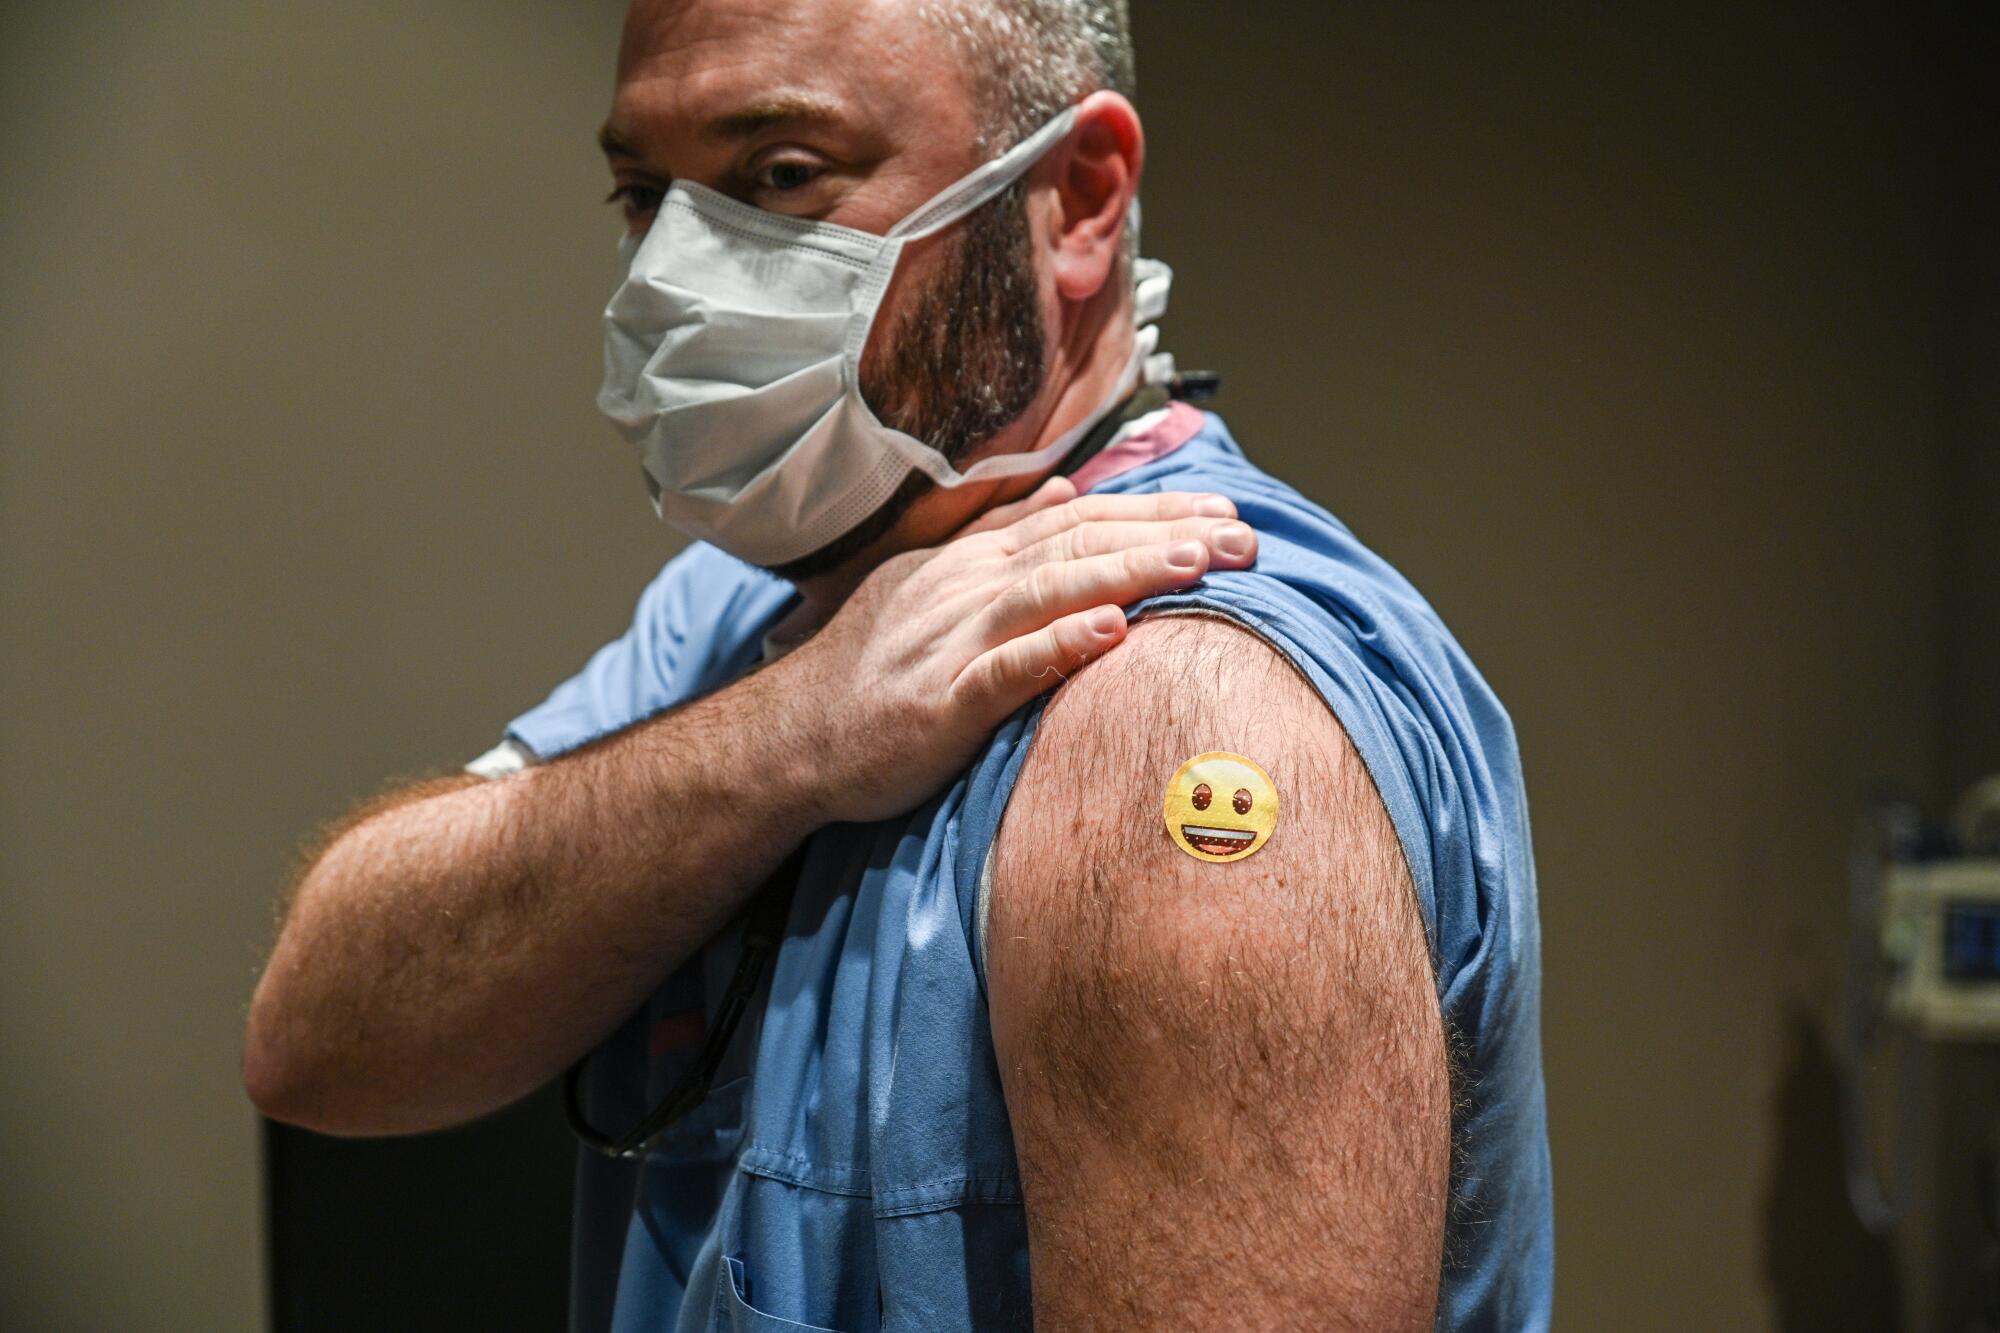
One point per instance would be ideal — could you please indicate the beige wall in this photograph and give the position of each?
(303, 488)
(1619, 339)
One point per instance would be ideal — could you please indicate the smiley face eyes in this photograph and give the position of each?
(1203, 796)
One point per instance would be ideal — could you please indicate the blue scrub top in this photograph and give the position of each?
(853, 1167)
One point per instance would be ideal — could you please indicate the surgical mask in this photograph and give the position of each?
(732, 354)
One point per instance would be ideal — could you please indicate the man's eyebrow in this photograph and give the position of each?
(617, 145)
(783, 109)
(613, 143)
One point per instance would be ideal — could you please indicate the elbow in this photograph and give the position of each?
(291, 1061)
(273, 1078)
(287, 1075)
(295, 1079)
(287, 1087)
(266, 1085)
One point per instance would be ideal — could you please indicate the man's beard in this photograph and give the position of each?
(963, 363)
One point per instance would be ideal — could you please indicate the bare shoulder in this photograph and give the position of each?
(1226, 1073)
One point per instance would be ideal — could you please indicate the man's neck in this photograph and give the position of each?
(1080, 384)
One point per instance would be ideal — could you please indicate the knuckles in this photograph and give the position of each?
(1043, 584)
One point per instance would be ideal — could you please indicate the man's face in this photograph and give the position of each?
(854, 112)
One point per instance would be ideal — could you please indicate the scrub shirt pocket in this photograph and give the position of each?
(877, 1185)
(735, 1314)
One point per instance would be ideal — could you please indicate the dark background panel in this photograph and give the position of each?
(463, 1230)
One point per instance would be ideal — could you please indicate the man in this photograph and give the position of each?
(1200, 992)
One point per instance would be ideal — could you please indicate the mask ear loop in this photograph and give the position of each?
(983, 182)
(948, 207)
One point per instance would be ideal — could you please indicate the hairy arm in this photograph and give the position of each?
(456, 946)
(1228, 1080)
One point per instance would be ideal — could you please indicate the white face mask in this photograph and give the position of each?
(732, 353)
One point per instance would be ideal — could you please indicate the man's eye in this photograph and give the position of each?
(638, 200)
(786, 174)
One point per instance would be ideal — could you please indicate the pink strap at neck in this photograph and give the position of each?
(1173, 430)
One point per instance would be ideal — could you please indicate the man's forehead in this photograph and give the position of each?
(700, 62)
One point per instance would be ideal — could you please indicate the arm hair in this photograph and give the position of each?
(1228, 1081)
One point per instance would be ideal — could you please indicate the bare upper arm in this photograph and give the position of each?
(1227, 1081)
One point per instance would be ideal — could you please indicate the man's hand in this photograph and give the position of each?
(938, 646)
(1227, 1080)
(455, 948)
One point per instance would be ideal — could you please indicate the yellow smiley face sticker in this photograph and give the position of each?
(1220, 807)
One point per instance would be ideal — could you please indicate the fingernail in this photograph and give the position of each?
(1104, 622)
(1214, 506)
(1232, 539)
(1185, 555)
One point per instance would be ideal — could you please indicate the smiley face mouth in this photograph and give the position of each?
(1218, 841)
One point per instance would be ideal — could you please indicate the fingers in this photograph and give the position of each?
(1000, 680)
(1041, 524)
(1118, 577)
(1231, 544)
(1054, 491)
(1053, 569)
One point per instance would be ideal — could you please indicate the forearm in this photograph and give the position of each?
(447, 956)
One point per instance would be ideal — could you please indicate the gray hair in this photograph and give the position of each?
(1028, 59)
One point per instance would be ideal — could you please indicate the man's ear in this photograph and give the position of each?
(1096, 179)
